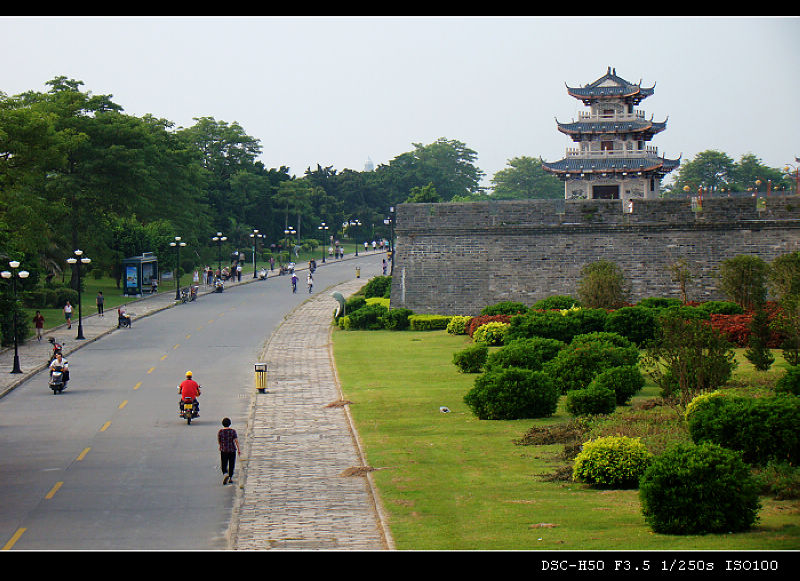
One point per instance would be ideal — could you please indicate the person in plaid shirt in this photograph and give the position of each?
(228, 449)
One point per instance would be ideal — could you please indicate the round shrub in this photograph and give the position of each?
(589, 320)
(512, 394)
(638, 324)
(476, 322)
(613, 338)
(593, 400)
(577, 364)
(624, 381)
(505, 308)
(556, 302)
(611, 462)
(458, 325)
(368, 317)
(698, 489)
(378, 286)
(721, 308)
(658, 303)
(472, 359)
(525, 353)
(353, 304)
(491, 333)
(396, 319)
(548, 324)
(790, 382)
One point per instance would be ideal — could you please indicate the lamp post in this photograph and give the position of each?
(219, 239)
(286, 232)
(323, 227)
(255, 236)
(353, 223)
(390, 222)
(79, 257)
(14, 264)
(177, 244)
(796, 174)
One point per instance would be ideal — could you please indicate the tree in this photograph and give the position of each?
(602, 285)
(524, 178)
(710, 169)
(743, 279)
(426, 194)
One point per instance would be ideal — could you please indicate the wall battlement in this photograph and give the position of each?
(456, 258)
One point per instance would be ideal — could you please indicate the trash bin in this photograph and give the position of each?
(261, 377)
(358, 272)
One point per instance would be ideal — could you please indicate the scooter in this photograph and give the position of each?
(193, 293)
(218, 286)
(188, 410)
(57, 348)
(184, 295)
(57, 381)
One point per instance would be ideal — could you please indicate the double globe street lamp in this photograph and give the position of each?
(257, 237)
(219, 239)
(74, 260)
(177, 244)
(14, 264)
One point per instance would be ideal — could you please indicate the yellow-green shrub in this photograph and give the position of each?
(612, 462)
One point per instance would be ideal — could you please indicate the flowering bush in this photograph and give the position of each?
(476, 322)
(736, 329)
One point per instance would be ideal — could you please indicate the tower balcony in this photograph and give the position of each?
(598, 116)
(616, 152)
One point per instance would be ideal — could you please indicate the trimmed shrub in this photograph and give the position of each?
(556, 302)
(658, 303)
(396, 319)
(613, 338)
(624, 382)
(790, 382)
(589, 320)
(353, 304)
(762, 429)
(476, 322)
(491, 333)
(458, 325)
(611, 462)
(576, 365)
(368, 318)
(547, 324)
(512, 394)
(721, 308)
(505, 308)
(525, 353)
(638, 324)
(428, 322)
(472, 359)
(593, 400)
(377, 287)
(698, 489)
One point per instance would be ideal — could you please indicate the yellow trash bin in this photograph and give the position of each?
(261, 377)
(358, 272)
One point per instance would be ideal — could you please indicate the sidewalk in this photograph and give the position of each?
(305, 485)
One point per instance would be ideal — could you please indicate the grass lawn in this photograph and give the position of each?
(449, 481)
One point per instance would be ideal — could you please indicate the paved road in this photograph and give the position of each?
(286, 497)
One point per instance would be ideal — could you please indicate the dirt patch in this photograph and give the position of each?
(357, 471)
(338, 404)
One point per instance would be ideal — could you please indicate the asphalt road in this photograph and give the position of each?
(108, 464)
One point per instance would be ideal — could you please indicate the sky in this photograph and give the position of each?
(339, 91)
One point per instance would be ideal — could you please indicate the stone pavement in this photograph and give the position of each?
(306, 485)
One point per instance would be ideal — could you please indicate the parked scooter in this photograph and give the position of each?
(57, 348)
(184, 295)
(193, 293)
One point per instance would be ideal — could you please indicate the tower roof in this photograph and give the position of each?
(611, 86)
(597, 127)
(580, 165)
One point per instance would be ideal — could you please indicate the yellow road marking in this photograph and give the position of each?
(176, 345)
(14, 539)
(123, 404)
(163, 357)
(53, 490)
(150, 370)
(105, 426)
(138, 385)
(82, 455)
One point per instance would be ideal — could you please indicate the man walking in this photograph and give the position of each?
(228, 449)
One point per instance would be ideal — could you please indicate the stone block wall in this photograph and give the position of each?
(456, 258)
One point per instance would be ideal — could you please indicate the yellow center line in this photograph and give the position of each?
(14, 539)
(123, 404)
(53, 490)
(105, 426)
(150, 370)
(188, 335)
(82, 455)
(176, 346)
(138, 385)
(163, 357)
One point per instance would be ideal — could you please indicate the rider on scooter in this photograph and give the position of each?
(189, 388)
(60, 363)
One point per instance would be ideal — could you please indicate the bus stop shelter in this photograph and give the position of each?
(139, 273)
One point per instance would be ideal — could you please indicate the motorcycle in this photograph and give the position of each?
(193, 293)
(188, 410)
(218, 286)
(58, 381)
(57, 348)
(184, 295)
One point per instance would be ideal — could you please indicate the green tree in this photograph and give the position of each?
(524, 178)
(602, 285)
(425, 194)
(709, 169)
(743, 279)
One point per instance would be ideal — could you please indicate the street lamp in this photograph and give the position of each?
(390, 222)
(796, 174)
(322, 228)
(219, 239)
(79, 257)
(22, 274)
(287, 231)
(355, 222)
(255, 236)
(177, 244)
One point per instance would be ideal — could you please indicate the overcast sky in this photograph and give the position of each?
(341, 90)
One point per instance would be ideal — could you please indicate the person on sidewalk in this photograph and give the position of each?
(310, 282)
(294, 282)
(68, 314)
(38, 322)
(100, 301)
(228, 449)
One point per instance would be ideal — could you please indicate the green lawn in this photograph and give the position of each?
(452, 482)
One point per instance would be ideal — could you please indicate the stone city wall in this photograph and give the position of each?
(456, 258)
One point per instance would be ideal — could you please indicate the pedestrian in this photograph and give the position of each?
(228, 449)
(100, 300)
(271, 263)
(38, 322)
(294, 282)
(310, 282)
(384, 267)
(68, 315)
(209, 275)
(239, 272)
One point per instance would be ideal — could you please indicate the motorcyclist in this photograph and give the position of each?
(189, 388)
(59, 361)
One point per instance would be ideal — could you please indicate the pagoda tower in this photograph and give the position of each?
(612, 160)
